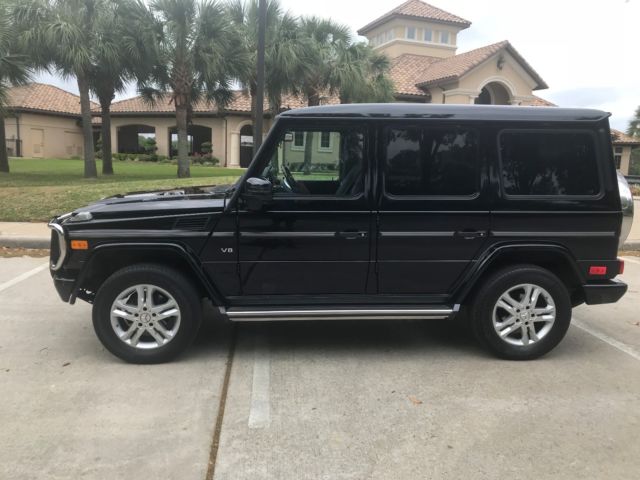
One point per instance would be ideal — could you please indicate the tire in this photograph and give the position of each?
(160, 329)
(515, 317)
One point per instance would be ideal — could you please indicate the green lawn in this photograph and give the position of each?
(37, 189)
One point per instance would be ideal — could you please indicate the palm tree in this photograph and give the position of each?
(14, 70)
(282, 50)
(63, 34)
(363, 75)
(124, 54)
(199, 55)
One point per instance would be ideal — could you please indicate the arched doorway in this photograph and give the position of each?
(494, 93)
(246, 145)
(197, 135)
(136, 139)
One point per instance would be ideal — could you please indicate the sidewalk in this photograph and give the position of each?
(24, 235)
(36, 235)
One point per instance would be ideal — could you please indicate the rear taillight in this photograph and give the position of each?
(620, 266)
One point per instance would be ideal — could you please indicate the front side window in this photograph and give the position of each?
(548, 163)
(327, 162)
(424, 161)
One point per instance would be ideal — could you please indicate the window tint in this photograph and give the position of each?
(431, 161)
(548, 163)
(317, 162)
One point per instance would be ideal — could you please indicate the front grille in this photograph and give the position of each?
(54, 254)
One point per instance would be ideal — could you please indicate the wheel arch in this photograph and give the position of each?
(106, 259)
(555, 258)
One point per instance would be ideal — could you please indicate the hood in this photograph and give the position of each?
(157, 203)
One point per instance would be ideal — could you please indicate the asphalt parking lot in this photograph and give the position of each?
(350, 400)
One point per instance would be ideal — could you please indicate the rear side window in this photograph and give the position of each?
(426, 161)
(549, 163)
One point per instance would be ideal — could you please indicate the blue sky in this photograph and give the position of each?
(587, 51)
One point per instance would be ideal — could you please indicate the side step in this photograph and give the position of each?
(261, 314)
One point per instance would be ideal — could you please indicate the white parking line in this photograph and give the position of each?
(260, 412)
(24, 276)
(623, 347)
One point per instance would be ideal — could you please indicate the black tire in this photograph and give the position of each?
(489, 294)
(170, 280)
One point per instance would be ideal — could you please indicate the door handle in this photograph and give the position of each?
(351, 234)
(470, 234)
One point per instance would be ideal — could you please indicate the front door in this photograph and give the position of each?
(37, 141)
(433, 216)
(314, 238)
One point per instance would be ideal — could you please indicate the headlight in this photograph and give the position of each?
(81, 217)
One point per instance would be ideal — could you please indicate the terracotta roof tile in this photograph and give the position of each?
(540, 102)
(621, 138)
(240, 103)
(406, 69)
(45, 98)
(418, 10)
(452, 68)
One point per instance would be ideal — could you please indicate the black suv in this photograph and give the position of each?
(395, 211)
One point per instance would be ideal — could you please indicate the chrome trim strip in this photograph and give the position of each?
(62, 244)
(553, 234)
(417, 234)
(338, 314)
(286, 234)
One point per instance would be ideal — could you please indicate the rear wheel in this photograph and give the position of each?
(522, 312)
(146, 313)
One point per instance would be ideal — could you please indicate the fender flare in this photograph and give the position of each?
(190, 258)
(495, 252)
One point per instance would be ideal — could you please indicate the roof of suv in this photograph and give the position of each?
(457, 112)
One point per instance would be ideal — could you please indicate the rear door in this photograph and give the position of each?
(433, 212)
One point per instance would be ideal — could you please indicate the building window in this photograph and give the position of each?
(325, 142)
(428, 35)
(388, 36)
(298, 141)
(411, 33)
(618, 149)
(444, 37)
(618, 160)
(548, 162)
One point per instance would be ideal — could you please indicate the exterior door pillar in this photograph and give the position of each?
(162, 140)
(234, 150)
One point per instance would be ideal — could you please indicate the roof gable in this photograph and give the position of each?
(417, 10)
(452, 68)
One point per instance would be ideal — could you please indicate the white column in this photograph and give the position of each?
(234, 150)
(114, 139)
(162, 140)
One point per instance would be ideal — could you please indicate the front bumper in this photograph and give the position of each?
(609, 291)
(64, 286)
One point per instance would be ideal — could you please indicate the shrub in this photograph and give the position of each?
(206, 148)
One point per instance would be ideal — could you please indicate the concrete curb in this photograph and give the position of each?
(24, 242)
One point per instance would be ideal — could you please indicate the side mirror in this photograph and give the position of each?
(257, 194)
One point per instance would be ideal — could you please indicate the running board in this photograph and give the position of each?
(239, 314)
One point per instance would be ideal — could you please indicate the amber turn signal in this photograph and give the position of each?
(79, 245)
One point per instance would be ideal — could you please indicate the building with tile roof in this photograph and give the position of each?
(420, 39)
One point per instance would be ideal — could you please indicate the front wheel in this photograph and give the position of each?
(146, 313)
(521, 312)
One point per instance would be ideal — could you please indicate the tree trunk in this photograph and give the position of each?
(183, 141)
(90, 170)
(254, 112)
(313, 100)
(4, 158)
(107, 161)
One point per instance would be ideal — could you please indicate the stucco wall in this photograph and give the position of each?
(46, 136)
